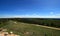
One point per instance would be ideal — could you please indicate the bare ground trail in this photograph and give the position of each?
(48, 27)
(43, 26)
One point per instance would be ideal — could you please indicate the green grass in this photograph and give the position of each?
(21, 28)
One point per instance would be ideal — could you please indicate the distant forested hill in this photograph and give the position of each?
(54, 22)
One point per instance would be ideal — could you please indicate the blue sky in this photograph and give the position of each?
(30, 8)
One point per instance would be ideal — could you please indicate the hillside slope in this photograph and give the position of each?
(25, 29)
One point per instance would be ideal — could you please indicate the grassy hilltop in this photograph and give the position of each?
(29, 29)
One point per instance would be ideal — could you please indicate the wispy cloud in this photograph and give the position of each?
(31, 16)
(51, 13)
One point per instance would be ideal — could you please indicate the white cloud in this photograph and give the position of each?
(51, 13)
(31, 16)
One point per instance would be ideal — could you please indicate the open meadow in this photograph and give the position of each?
(25, 29)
